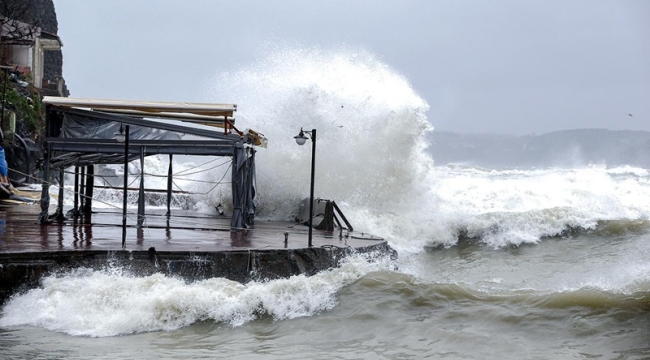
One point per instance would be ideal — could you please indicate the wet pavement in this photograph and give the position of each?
(183, 231)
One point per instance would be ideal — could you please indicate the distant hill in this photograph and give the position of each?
(568, 148)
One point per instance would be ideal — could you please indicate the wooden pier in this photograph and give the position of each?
(188, 245)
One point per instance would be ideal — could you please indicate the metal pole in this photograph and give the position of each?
(59, 207)
(311, 193)
(28, 167)
(90, 186)
(126, 184)
(4, 101)
(75, 210)
(169, 186)
(141, 190)
(45, 192)
(82, 189)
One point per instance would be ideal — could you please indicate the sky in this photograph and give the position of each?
(501, 66)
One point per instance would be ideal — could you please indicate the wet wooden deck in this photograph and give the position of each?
(183, 231)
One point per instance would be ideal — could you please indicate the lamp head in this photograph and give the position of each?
(300, 138)
(119, 136)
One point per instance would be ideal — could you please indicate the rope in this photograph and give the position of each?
(219, 182)
(207, 182)
(137, 216)
(155, 175)
(75, 192)
(179, 188)
(182, 173)
(212, 188)
(103, 177)
(146, 225)
(195, 167)
(134, 179)
(134, 216)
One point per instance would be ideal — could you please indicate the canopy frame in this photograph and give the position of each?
(81, 133)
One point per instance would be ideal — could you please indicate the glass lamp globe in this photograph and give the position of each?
(300, 138)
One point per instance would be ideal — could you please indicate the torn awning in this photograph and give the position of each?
(145, 106)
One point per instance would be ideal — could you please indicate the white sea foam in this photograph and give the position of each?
(108, 303)
(514, 207)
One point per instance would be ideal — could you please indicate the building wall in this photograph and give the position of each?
(53, 66)
(22, 55)
(43, 14)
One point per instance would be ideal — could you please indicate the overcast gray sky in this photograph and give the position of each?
(515, 66)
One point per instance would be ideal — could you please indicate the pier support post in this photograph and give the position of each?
(141, 190)
(45, 192)
(82, 189)
(58, 215)
(90, 186)
(126, 184)
(75, 209)
(169, 186)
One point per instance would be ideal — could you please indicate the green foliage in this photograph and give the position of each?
(30, 113)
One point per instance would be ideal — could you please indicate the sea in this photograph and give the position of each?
(547, 260)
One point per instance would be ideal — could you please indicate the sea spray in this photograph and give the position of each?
(371, 143)
(113, 302)
(372, 158)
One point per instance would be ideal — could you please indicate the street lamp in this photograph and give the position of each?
(300, 140)
(119, 136)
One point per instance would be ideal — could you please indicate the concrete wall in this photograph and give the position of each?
(22, 271)
(22, 55)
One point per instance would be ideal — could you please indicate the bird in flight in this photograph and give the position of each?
(630, 115)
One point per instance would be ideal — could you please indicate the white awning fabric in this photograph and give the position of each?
(205, 109)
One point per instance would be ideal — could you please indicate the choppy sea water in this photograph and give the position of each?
(543, 263)
(580, 296)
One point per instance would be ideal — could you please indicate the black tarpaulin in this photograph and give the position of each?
(243, 187)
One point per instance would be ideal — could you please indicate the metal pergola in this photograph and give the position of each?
(82, 133)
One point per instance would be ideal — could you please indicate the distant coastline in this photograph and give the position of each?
(566, 148)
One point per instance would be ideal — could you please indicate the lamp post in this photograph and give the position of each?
(300, 140)
(123, 136)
